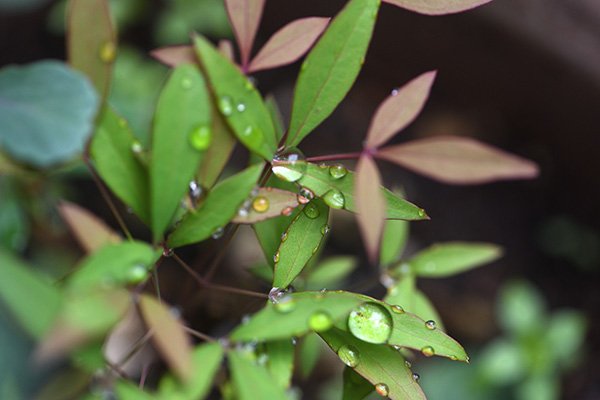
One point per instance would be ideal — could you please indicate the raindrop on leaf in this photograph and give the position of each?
(349, 355)
(371, 323)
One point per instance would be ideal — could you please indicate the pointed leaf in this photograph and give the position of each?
(459, 160)
(217, 155)
(170, 338)
(289, 43)
(302, 240)
(412, 300)
(252, 381)
(226, 48)
(370, 205)
(89, 230)
(451, 258)
(217, 210)
(238, 100)
(268, 203)
(355, 386)
(331, 67)
(393, 241)
(437, 7)
(112, 150)
(276, 116)
(114, 265)
(310, 352)
(174, 56)
(378, 364)
(92, 41)
(290, 317)
(320, 181)
(180, 136)
(245, 16)
(33, 302)
(399, 109)
(280, 361)
(330, 272)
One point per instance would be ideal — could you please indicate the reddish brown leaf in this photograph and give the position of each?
(90, 231)
(437, 7)
(289, 43)
(459, 160)
(268, 203)
(175, 55)
(399, 109)
(171, 340)
(370, 205)
(245, 16)
(226, 48)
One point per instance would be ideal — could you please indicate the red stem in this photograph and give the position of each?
(334, 157)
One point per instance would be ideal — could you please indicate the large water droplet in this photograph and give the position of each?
(276, 294)
(382, 389)
(311, 211)
(276, 257)
(136, 147)
(285, 304)
(334, 199)
(226, 105)
(428, 351)
(137, 274)
(325, 229)
(349, 355)
(320, 321)
(337, 171)
(306, 194)
(218, 233)
(397, 309)
(200, 137)
(430, 324)
(289, 165)
(260, 204)
(371, 323)
(108, 52)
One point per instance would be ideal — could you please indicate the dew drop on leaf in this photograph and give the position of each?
(218, 233)
(226, 105)
(349, 355)
(195, 192)
(136, 147)
(334, 199)
(286, 159)
(284, 237)
(382, 389)
(241, 107)
(421, 213)
(320, 321)
(276, 294)
(311, 211)
(249, 85)
(108, 52)
(276, 257)
(337, 171)
(408, 364)
(430, 324)
(137, 274)
(325, 229)
(260, 204)
(416, 377)
(428, 351)
(307, 194)
(397, 309)
(285, 304)
(370, 322)
(200, 137)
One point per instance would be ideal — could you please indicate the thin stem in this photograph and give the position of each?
(199, 335)
(334, 157)
(215, 263)
(137, 346)
(144, 375)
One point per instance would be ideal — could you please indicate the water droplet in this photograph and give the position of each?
(136, 147)
(311, 211)
(382, 389)
(242, 212)
(307, 194)
(108, 52)
(416, 377)
(226, 105)
(302, 199)
(320, 321)
(428, 351)
(397, 309)
(349, 355)
(294, 340)
(167, 252)
(137, 274)
(284, 237)
(262, 359)
(276, 294)
(285, 304)
(241, 107)
(200, 137)
(395, 91)
(249, 85)
(289, 165)
(260, 204)
(218, 233)
(430, 324)
(408, 364)
(186, 83)
(195, 192)
(253, 137)
(337, 171)
(325, 229)
(334, 199)
(453, 358)
(276, 257)
(371, 323)
(422, 213)
(286, 212)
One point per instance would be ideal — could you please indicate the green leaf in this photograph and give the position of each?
(182, 132)
(566, 334)
(380, 365)
(114, 265)
(33, 302)
(92, 41)
(268, 203)
(14, 224)
(310, 352)
(238, 101)
(280, 361)
(290, 316)
(446, 259)
(276, 116)
(502, 362)
(330, 272)
(355, 386)
(300, 242)
(219, 207)
(412, 300)
(126, 390)
(331, 67)
(217, 155)
(393, 241)
(36, 128)
(206, 361)
(112, 150)
(521, 309)
(319, 180)
(252, 381)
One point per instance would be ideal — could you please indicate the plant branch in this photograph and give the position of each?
(199, 335)
(334, 157)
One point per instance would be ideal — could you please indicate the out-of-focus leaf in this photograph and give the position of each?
(112, 150)
(170, 338)
(280, 361)
(92, 41)
(330, 272)
(206, 359)
(565, 334)
(502, 363)
(539, 387)
(437, 7)
(521, 309)
(182, 132)
(380, 365)
(174, 56)
(252, 381)
(290, 316)
(89, 230)
(238, 100)
(14, 224)
(69, 384)
(36, 128)
(399, 109)
(126, 390)
(226, 48)
(370, 206)
(33, 302)
(245, 16)
(289, 43)
(275, 116)
(320, 181)
(217, 155)
(331, 67)
(355, 386)
(114, 265)
(310, 351)
(268, 203)
(300, 242)
(219, 207)
(393, 240)
(459, 160)
(446, 259)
